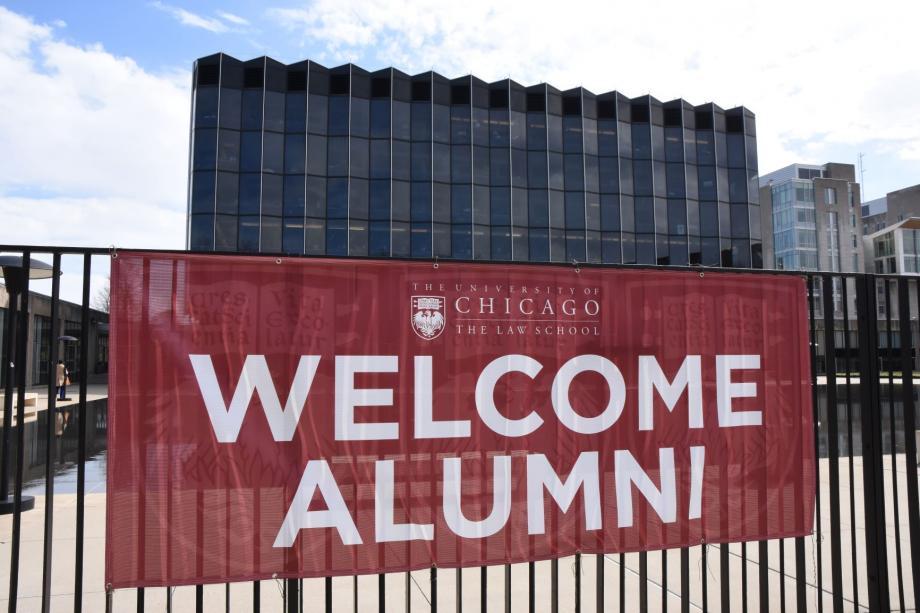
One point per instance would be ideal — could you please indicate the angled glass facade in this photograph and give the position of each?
(303, 159)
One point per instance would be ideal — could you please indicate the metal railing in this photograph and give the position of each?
(865, 343)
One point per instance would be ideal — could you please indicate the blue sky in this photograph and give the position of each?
(95, 104)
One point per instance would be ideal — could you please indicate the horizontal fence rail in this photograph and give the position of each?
(865, 352)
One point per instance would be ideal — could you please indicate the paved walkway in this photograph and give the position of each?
(240, 595)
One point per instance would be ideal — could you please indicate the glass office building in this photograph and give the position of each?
(304, 159)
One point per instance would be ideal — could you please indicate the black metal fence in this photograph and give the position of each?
(865, 343)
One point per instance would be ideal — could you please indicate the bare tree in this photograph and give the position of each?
(101, 299)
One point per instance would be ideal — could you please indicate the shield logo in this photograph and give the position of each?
(427, 316)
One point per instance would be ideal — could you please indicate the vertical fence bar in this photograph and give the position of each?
(876, 568)
(140, 600)
(10, 345)
(812, 307)
(664, 581)
(328, 586)
(724, 583)
(381, 592)
(782, 575)
(51, 419)
(459, 591)
(684, 580)
(622, 583)
(705, 574)
(434, 589)
(577, 582)
(483, 589)
(22, 342)
(910, 427)
(291, 596)
(833, 451)
(744, 578)
(850, 446)
(507, 588)
(408, 580)
(889, 353)
(256, 596)
(599, 595)
(554, 587)
(643, 581)
(531, 587)
(764, 572)
(81, 441)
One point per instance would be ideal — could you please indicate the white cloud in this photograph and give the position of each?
(188, 18)
(840, 73)
(95, 148)
(234, 19)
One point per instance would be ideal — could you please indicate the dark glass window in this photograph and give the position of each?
(380, 122)
(420, 240)
(230, 101)
(252, 110)
(536, 131)
(378, 243)
(317, 116)
(360, 117)
(338, 116)
(401, 166)
(575, 210)
(359, 149)
(225, 233)
(203, 192)
(205, 149)
(274, 112)
(251, 152)
(206, 107)
(272, 152)
(574, 172)
(336, 199)
(380, 159)
(295, 154)
(461, 204)
(421, 161)
(316, 197)
(610, 212)
(709, 219)
(248, 236)
(250, 194)
(294, 193)
(707, 183)
(379, 200)
(737, 185)
(421, 121)
(272, 187)
(228, 187)
(677, 217)
(460, 125)
(401, 121)
(336, 237)
(675, 181)
(295, 115)
(572, 134)
(500, 167)
(645, 215)
(462, 242)
(337, 161)
(421, 202)
(501, 243)
(315, 239)
(536, 170)
(228, 152)
(316, 155)
(500, 206)
(202, 232)
(292, 236)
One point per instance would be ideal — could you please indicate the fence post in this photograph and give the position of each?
(871, 418)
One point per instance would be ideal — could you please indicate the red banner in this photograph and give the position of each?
(305, 417)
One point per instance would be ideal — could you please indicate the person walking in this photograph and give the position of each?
(63, 378)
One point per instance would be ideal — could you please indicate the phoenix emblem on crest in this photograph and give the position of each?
(428, 316)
